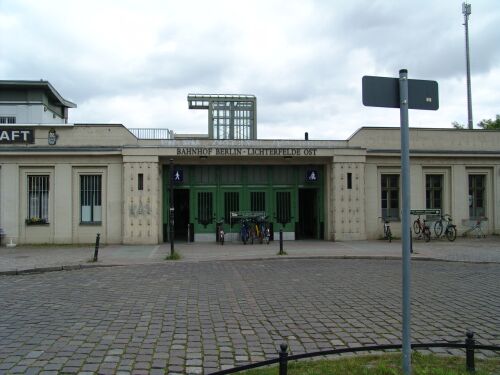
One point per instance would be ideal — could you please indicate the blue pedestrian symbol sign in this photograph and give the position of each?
(178, 175)
(312, 175)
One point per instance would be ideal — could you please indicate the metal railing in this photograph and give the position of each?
(152, 133)
(283, 359)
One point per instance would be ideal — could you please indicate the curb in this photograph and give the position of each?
(55, 269)
(275, 257)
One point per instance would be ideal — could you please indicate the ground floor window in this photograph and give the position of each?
(390, 196)
(258, 201)
(283, 207)
(231, 204)
(205, 207)
(90, 198)
(477, 195)
(434, 191)
(38, 199)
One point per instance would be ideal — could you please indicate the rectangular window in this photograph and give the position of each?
(258, 201)
(283, 207)
(205, 210)
(90, 199)
(38, 199)
(231, 203)
(7, 119)
(140, 181)
(477, 196)
(434, 191)
(390, 196)
(349, 180)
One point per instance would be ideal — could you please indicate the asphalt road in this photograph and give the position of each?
(198, 317)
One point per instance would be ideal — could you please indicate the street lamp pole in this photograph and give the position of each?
(171, 211)
(466, 10)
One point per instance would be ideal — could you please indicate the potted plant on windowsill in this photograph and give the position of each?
(36, 221)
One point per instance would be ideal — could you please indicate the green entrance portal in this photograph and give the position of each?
(209, 193)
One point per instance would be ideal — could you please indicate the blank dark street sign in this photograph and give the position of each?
(384, 92)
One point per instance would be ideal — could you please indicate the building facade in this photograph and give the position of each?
(103, 179)
(64, 183)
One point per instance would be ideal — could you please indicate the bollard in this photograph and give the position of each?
(281, 241)
(96, 251)
(411, 242)
(469, 352)
(189, 232)
(283, 359)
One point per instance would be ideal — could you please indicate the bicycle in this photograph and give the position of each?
(450, 231)
(476, 228)
(387, 229)
(420, 227)
(220, 232)
(244, 231)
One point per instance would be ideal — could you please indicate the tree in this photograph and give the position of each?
(490, 124)
(457, 125)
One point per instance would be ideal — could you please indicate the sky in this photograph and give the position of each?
(135, 62)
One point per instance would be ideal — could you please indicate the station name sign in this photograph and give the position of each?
(16, 135)
(233, 151)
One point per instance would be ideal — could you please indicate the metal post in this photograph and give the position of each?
(466, 10)
(96, 251)
(283, 359)
(171, 221)
(469, 352)
(281, 241)
(189, 232)
(405, 176)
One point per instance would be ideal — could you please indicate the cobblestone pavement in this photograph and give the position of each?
(198, 317)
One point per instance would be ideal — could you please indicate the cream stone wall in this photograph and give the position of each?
(141, 208)
(348, 208)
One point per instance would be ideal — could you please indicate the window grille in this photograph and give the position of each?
(90, 199)
(231, 203)
(205, 208)
(283, 207)
(38, 198)
(390, 196)
(258, 201)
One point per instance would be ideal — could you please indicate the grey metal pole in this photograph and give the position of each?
(405, 220)
(466, 10)
(171, 211)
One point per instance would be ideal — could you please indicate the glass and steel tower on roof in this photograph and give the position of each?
(229, 116)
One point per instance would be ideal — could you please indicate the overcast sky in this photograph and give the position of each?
(134, 62)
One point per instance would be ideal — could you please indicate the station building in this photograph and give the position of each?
(63, 183)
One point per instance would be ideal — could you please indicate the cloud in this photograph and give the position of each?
(135, 62)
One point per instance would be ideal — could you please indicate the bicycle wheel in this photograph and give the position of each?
(389, 234)
(416, 227)
(438, 228)
(427, 234)
(451, 233)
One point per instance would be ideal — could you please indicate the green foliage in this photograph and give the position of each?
(457, 125)
(174, 256)
(384, 364)
(490, 124)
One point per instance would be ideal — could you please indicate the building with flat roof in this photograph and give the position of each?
(66, 182)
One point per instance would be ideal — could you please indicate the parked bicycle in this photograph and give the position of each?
(450, 230)
(476, 228)
(245, 231)
(422, 229)
(387, 229)
(220, 232)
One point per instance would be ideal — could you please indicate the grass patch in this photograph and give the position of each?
(174, 256)
(282, 253)
(385, 364)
